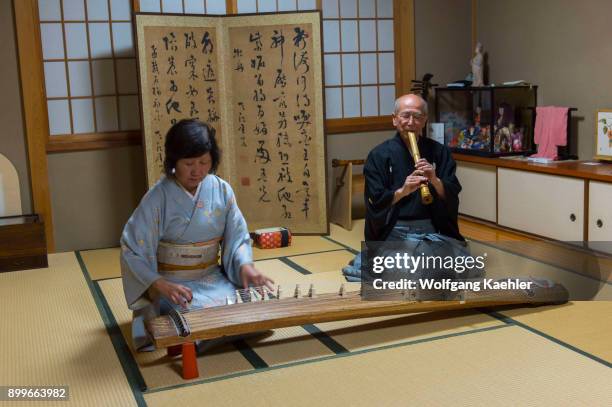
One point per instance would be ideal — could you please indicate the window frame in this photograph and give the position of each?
(404, 49)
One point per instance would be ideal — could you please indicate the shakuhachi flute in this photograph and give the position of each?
(411, 138)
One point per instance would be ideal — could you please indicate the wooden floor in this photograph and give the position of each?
(482, 231)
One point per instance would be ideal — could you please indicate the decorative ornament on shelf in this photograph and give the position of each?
(478, 66)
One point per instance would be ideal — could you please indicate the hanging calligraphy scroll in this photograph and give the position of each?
(257, 79)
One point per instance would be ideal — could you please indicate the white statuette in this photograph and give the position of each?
(311, 291)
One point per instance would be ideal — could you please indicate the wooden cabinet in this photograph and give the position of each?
(600, 216)
(22, 243)
(478, 198)
(546, 205)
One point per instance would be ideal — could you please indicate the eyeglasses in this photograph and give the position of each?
(414, 115)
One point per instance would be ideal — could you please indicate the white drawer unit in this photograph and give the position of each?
(547, 205)
(600, 216)
(478, 198)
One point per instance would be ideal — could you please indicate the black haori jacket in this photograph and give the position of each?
(386, 169)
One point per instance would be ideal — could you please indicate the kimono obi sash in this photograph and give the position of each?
(187, 260)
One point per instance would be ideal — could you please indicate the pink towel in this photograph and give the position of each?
(550, 130)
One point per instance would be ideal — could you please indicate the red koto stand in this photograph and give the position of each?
(190, 364)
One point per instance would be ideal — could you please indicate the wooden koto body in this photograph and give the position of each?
(247, 317)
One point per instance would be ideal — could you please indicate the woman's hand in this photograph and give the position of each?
(177, 293)
(251, 276)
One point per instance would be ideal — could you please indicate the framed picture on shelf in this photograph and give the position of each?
(603, 136)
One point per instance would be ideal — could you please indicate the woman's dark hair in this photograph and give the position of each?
(190, 138)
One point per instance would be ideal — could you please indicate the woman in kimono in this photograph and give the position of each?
(170, 244)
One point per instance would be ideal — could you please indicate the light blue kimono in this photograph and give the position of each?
(169, 213)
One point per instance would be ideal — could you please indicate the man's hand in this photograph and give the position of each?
(425, 169)
(251, 276)
(411, 184)
(177, 293)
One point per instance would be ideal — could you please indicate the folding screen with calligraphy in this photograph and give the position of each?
(256, 79)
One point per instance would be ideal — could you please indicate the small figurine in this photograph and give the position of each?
(505, 116)
(516, 135)
(477, 115)
(478, 66)
(502, 140)
(467, 144)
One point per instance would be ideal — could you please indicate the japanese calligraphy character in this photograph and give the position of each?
(172, 68)
(259, 95)
(300, 38)
(190, 41)
(278, 40)
(207, 44)
(213, 116)
(258, 62)
(302, 119)
(192, 92)
(170, 42)
(262, 153)
(284, 195)
(281, 79)
(210, 95)
(256, 38)
(172, 105)
(208, 72)
(264, 194)
(286, 213)
(193, 111)
(302, 61)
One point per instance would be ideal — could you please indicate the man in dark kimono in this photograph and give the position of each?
(394, 211)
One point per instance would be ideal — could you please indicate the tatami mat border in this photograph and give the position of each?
(249, 354)
(350, 249)
(293, 265)
(511, 321)
(325, 339)
(130, 368)
(306, 254)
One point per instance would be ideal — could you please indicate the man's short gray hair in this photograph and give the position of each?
(424, 109)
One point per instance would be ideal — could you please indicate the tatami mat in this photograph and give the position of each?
(351, 238)
(586, 325)
(507, 366)
(288, 345)
(102, 263)
(299, 245)
(323, 262)
(359, 334)
(57, 336)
